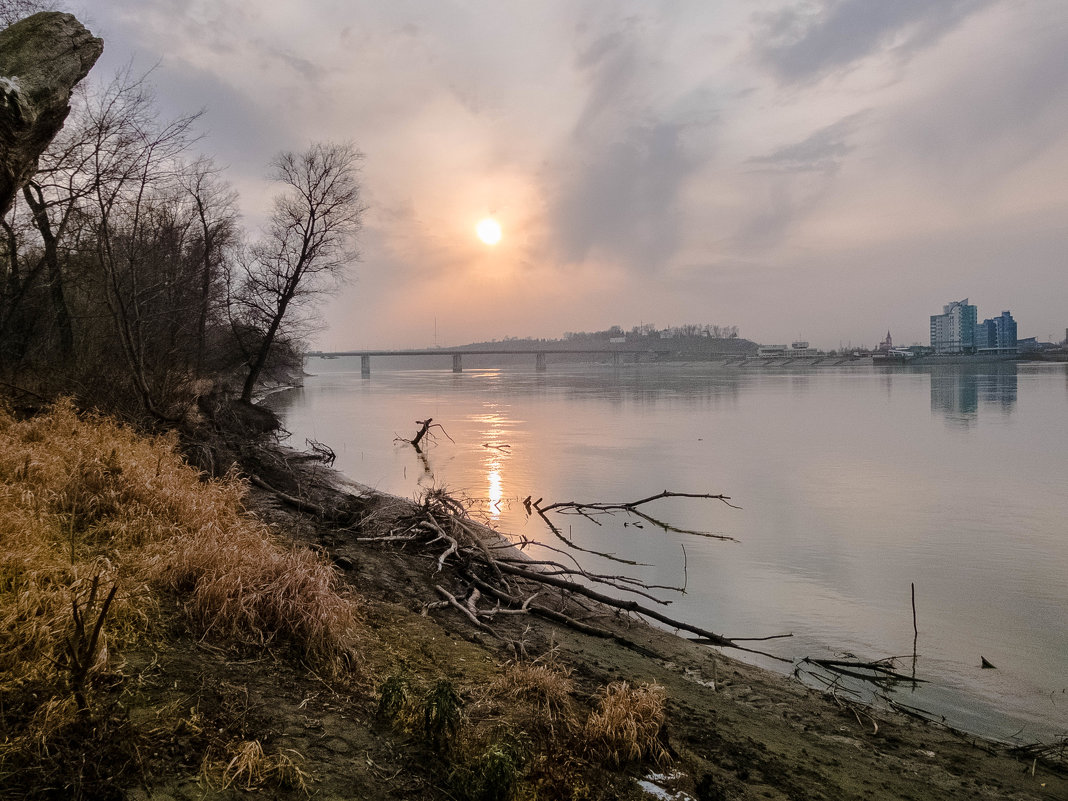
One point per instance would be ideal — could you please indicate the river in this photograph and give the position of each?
(855, 483)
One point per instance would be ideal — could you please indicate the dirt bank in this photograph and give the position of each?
(731, 731)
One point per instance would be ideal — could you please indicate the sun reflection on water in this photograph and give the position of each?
(495, 493)
(496, 449)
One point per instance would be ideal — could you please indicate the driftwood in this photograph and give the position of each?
(496, 571)
(591, 511)
(880, 672)
(425, 430)
(485, 566)
(297, 503)
(321, 451)
(1053, 754)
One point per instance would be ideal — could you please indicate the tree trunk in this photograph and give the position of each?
(255, 367)
(34, 198)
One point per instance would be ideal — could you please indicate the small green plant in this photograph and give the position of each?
(394, 697)
(496, 774)
(441, 714)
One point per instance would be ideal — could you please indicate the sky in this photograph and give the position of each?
(822, 170)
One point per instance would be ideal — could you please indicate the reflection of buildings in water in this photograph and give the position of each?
(999, 389)
(958, 394)
(955, 396)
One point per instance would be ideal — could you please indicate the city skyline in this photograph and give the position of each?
(820, 171)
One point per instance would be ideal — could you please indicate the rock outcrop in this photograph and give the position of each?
(42, 58)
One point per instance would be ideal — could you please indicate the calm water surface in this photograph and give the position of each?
(854, 483)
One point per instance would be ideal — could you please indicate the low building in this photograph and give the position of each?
(797, 350)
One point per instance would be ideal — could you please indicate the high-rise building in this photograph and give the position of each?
(996, 334)
(953, 331)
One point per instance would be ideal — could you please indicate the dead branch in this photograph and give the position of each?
(453, 545)
(623, 583)
(388, 538)
(591, 510)
(82, 643)
(626, 606)
(632, 505)
(425, 427)
(1053, 753)
(453, 602)
(571, 544)
(492, 570)
(324, 453)
(879, 673)
(566, 620)
(295, 502)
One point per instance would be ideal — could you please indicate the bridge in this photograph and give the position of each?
(457, 354)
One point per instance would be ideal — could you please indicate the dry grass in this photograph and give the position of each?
(82, 497)
(86, 502)
(626, 726)
(546, 687)
(238, 582)
(251, 769)
(61, 490)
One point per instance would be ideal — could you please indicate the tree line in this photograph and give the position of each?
(709, 330)
(127, 279)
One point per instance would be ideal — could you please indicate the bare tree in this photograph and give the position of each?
(55, 198)
(216, 219)
(308, 242)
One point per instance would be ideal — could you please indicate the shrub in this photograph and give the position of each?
(441, 714)
(547, 688)
(495, 775)
(626, 726)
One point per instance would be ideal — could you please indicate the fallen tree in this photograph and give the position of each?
(487, 567)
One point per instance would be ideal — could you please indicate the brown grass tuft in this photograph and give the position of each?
(236, 581)
(251, 769)
(626, 726)
(546, 687)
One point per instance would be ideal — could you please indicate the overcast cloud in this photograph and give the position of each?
(825, 169)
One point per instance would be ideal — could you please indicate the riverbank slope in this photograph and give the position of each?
(221, 681)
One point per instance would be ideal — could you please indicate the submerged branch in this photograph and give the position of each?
(876, 672)
(589, 511)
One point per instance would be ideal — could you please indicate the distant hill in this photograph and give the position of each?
(670, 345)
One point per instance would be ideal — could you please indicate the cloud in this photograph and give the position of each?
(801, 43)
(821, 151)
(618, 183)
(611, 67)
(622, 198)
(997, 112)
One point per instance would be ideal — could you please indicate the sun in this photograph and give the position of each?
(489, 231)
